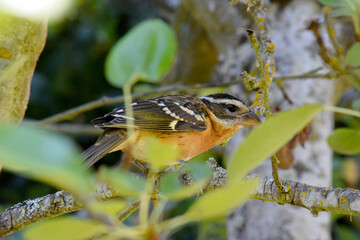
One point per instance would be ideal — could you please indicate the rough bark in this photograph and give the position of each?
(21, 42)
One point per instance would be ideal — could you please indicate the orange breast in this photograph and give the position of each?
(189, 143)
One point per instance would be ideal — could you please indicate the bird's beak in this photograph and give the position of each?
(249, 119)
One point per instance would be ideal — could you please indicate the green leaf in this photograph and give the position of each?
(334, 3)
(220, 201)
(147, 51)
(44, 156)
(352, 58)
(171, 188)
(161, 154)
(111, 207)
(63, 228)
(344, 11)
(126, 183)
(352, 55)
(268, 138)
(345, 141)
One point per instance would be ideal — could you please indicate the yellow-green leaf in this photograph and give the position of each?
(44, 156)
(161, 154)
(126, 183)
(268, 138)
(61, 228)
(111, 207)
(220, 201)
(345, 141)
(171, 188)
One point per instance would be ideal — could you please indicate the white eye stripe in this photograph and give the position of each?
(237, 103)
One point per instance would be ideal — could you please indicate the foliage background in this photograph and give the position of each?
(70, 72)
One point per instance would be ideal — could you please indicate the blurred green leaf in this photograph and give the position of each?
(161, 154)
(44, 156)
(333, 3)
(63, 228)
(110, 207)
(126, 183)
(345, 141)
(220, 201)
(147, 52)
(352, 55)
(171, 188)
(268, 138)
(352, 58)
(344, 11)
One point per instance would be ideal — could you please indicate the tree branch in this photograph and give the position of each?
(316, 199)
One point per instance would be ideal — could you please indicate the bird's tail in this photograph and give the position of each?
(108, 141)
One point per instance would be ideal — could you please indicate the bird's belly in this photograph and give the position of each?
(190, 144)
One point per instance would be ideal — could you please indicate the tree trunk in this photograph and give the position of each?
(296, 53)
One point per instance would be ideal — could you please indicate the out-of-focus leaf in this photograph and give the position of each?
(171, 188)
(44, 156)
(350, 172)
(344, 11)
(220, 201)
(352, 58)
(333, 3)
(268, 138)
(352, 55)
(146, 52)
(161, 154)
(61, 228)
(126, 183)
(111, 207)
(345, 141)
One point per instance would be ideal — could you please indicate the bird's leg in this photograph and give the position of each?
(126, 161)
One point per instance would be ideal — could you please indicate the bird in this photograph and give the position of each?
(194, 125)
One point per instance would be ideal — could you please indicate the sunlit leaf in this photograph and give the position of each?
(161, 154)
(345, 141)
(268, 138)
(344, 11)
(333, 3)
(147, 51)
(63, 228)
(220, 201)
(352, 58)
(111, 207)
(126, 183)
(44, 156)
(171, 188)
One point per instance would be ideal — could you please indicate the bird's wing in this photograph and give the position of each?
(166, 113)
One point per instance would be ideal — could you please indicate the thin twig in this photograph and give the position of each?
(266, 67)
(133, 206)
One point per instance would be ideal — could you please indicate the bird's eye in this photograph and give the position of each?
(231, 107)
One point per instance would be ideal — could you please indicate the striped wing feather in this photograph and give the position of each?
(159, 114)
